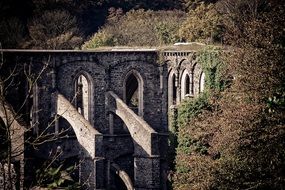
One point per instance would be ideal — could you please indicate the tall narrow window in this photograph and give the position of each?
(172, 89)
(134, 92)
(185, 84)
(82, 96)
(202, 82)
(132, 98)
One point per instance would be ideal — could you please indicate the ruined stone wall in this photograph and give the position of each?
(108, 71)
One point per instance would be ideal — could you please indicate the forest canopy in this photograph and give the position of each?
(233, 137)
(33, 23)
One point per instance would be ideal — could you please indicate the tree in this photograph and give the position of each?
(54, 29)
(139, 28)
(193, 4)
(239, 142)
(20, 132)
(202, 24)
(12, 28)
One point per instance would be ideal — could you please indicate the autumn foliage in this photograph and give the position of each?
(237, 140)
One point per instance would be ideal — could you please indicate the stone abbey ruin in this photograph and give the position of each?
(107, 110)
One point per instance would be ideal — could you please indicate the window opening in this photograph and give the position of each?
(132, 93)
(82, 96)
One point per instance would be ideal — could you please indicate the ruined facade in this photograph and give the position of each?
(108, 109)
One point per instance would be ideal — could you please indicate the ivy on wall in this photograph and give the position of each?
(189, 143)
(211, 61)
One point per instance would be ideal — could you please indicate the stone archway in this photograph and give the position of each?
(90, 140)
(125, 178)
(145, 139)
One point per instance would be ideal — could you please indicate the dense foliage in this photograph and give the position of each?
(138, 28)
(202, 24)
(54, 29)
(19, 19)
(230, 137)
(35, 23)
(237, 140)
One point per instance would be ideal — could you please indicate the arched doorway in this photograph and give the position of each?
(133, 92)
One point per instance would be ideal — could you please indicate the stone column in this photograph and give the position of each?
(91, 173)
(92, 167)
(147, 173)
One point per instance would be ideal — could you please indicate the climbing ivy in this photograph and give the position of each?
(210, 59)
(191, 108)
(211, 62)
(191, 140)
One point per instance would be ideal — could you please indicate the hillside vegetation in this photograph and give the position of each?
(233, 137)
(138, 28)
(158, 28)
(67, 24)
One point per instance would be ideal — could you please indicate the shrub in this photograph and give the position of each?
(203, 24)
(140, 28)
(100, 39)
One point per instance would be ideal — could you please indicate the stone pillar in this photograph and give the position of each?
(147, 173)
(91, 173)
(161, 79)
(92, 166)
(164, 100)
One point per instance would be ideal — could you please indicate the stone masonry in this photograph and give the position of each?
(116, 124)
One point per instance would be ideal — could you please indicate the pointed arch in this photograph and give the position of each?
(172, 88)
(133, 91)
(186, 84)
(84, 95)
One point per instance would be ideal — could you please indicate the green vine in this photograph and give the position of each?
(189, 143)
(212, 65)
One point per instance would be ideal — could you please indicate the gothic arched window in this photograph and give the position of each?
(186, 84)
(172, 89)
(83, 96)
(133, 94)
